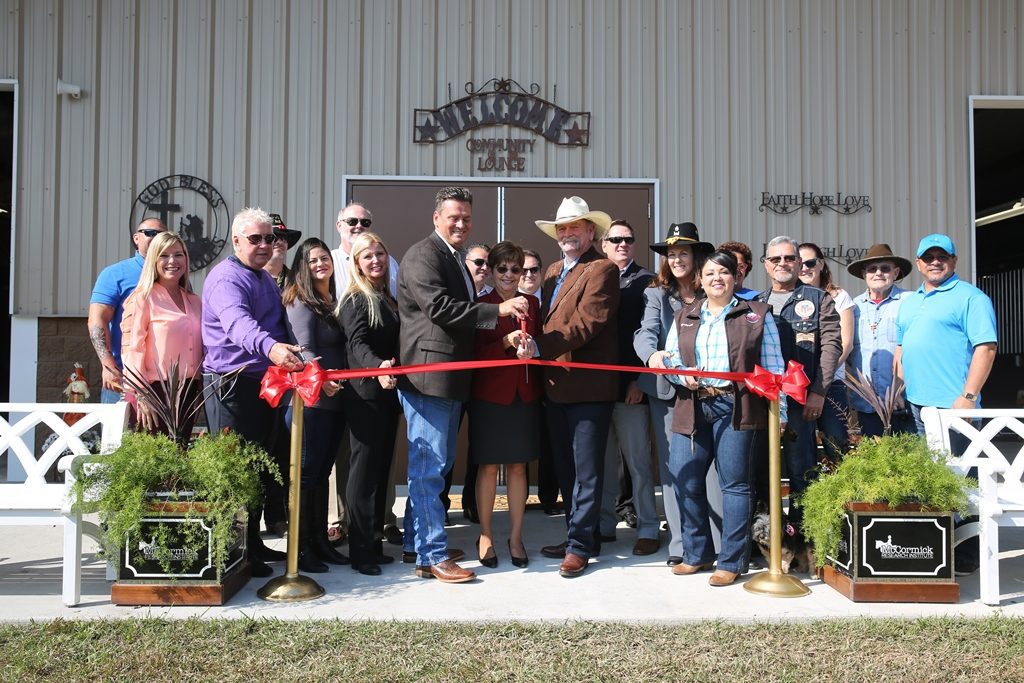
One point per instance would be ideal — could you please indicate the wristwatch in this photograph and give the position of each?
(970, 397)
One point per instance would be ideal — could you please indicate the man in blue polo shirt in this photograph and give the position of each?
(106, 306)
(945, 334)
(946, 344)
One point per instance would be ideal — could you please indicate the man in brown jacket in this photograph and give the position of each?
(579, 301)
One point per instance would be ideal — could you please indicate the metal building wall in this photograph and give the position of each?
(273, 101)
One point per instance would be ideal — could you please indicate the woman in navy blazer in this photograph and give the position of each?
(504, 409)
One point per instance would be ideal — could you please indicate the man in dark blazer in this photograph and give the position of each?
(579, 303)
(439, 318)
(629, 439)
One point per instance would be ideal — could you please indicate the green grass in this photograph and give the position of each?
(242, 650)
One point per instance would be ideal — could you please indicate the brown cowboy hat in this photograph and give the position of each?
(682, 235)
(879, 252)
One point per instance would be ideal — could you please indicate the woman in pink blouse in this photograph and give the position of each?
(163, 319)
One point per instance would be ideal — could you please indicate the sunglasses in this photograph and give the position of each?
(516, 270)
(478, 262)
(776, 260)
(353, 222)
(149, 232)
(531, 271)
(256, 239)
(878, 269)
(940, 256)
(810, 263)
(619, 240)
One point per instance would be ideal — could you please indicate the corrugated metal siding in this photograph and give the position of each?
(274, 101)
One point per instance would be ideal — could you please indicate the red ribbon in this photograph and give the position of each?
(276, 382)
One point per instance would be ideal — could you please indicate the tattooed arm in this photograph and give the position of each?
(100, 316)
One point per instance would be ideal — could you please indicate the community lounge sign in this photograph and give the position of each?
(501, 103)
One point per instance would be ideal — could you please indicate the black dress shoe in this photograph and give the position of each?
(556, 552)
(387, 559)
(393, 535)
(673, 560)
(517, 561)
(367, 569)
(490, 561)
(607, 538)
(308, 564)
(324, 551)
(269, 555)
(259, 569)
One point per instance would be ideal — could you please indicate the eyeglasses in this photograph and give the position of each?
(885, 270)
(776, 260)
(149, 232)
(256, 239)
(935, 256)
(531, 271)
(478, 262)
(810, 263)
(353, 222)
(516, 270)
(619, 240)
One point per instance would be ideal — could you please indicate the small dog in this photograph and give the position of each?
(797, 554)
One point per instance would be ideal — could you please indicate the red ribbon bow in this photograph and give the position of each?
(793, 383)
(277, 381)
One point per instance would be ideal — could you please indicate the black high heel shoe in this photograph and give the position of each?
(517, 561)
(489, 562)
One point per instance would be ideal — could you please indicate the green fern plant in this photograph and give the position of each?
(896, 469)
(221, 473)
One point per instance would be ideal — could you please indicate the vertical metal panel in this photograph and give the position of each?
(274, 101)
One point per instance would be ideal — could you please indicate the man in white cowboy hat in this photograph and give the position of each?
(874, 332)
(579, 305)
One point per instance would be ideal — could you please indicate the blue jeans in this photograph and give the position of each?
(871, 424)
(715, 440)
(433, 426)
(322, 431)
(833, 421)
(579, 435)
(108, 396)
(799, 454)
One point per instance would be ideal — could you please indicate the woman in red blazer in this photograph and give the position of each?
(504, 409)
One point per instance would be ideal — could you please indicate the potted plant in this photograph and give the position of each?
(172, 509)
(881, 521)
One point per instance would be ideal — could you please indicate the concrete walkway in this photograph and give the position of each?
(616, 587)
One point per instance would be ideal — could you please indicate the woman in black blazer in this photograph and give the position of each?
(369, 317)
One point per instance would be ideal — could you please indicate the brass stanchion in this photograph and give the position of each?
(774, 582)
(293, 587)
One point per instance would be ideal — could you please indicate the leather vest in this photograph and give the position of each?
(744, 328)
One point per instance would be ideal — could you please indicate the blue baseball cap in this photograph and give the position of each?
(936, 240)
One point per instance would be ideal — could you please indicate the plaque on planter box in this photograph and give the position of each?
(897, 545)
(187, 558)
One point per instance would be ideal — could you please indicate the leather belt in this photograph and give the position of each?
(714, 392)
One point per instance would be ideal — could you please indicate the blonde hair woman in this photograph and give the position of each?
(369, 318)
(162, 330)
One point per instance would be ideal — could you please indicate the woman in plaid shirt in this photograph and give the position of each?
(716, 419)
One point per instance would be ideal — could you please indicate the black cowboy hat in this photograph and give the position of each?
(681, 235)
(292, 237)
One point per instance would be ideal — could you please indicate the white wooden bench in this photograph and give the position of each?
(36, 501)
(999, 499)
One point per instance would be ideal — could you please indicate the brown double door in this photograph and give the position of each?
(402, 212)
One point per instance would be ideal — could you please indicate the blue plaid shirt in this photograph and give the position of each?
(712, 349)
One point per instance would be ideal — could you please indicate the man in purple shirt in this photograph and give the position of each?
(243, 321)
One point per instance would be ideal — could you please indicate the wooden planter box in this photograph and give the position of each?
(896, 554)
(192, 580)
